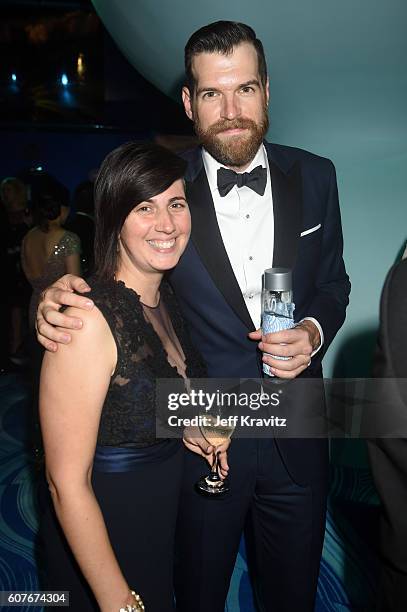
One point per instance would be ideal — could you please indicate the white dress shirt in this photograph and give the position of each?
(246, 223)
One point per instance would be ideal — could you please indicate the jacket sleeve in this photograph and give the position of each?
(332, 286)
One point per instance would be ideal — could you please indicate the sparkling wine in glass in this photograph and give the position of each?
(215, 434)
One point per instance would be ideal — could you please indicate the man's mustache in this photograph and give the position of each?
(230, 124)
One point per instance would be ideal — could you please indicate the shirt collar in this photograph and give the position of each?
(212, 166)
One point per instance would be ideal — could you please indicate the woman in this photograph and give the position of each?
(114, 486)
(48, 250)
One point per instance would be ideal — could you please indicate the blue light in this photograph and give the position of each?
(14, 77)
(64, 80)
(66, 97)
(39, 168)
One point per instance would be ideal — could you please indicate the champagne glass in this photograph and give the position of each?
(215, 433)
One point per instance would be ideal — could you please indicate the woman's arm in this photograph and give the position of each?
(74, 383)
(73, 264)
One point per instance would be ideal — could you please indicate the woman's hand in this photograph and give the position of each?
(195, 442)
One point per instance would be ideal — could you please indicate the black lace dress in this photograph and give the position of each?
(136, 478)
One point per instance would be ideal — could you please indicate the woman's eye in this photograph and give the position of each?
(177, 205)
(143, 209)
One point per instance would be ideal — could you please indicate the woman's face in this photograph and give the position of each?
(156, 232)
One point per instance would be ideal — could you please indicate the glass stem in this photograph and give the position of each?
(214, 469)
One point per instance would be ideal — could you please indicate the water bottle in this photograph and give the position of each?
(277, 307)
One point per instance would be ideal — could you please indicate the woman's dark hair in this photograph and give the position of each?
(132, 173)
(49, 209)
(48, 195)
(222, 37)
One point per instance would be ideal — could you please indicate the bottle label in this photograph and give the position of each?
(272, 322)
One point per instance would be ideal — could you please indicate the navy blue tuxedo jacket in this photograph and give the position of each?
(304, 197)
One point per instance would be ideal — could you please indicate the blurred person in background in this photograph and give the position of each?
(388, 455)
(82, 223)
(17, 220)
(41, 182)
(48, 250)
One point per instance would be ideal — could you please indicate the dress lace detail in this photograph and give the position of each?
(128, 414)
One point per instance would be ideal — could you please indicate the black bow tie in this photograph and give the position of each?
(256, 180)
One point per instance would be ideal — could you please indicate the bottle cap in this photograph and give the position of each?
(277, 279)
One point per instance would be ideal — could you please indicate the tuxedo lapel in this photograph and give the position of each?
(208, 241)
(286, 185)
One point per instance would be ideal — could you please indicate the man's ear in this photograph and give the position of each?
(186, 99)
(267, 91)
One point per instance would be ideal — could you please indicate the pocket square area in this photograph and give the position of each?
(310, 230)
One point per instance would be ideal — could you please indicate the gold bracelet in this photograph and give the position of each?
(137, 607)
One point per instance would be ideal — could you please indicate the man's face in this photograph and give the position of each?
(229, 106)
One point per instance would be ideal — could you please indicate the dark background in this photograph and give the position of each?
(68, 129)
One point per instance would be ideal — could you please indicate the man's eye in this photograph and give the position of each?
(209, 94)
(247, 89)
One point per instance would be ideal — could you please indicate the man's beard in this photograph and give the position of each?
(233, 151)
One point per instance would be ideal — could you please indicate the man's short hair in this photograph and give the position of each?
(222, 37)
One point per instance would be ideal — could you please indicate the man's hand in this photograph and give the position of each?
(195, 442)
(296, 343)
(48, 315)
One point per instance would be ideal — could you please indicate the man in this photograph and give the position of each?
(285, 214)
(388, 456)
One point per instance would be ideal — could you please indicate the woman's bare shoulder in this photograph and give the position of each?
(93, 322)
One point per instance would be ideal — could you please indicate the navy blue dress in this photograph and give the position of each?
(136, 477)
